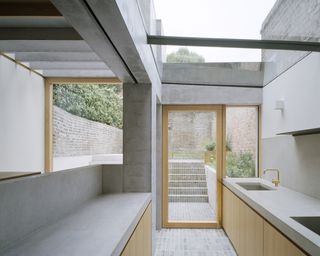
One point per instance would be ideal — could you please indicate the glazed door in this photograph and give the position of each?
(192, 171)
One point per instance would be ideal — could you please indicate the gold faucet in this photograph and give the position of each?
(274, 181)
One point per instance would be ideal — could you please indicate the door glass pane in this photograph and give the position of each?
(192, 165)
(242, 141)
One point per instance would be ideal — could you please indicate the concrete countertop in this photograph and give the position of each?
(100, 227)
(277, 206)
(13, 175)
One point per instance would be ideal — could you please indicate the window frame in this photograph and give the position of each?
(49, 82)
(258, 165)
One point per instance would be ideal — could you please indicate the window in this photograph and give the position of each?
(86, 124)
(242, 132)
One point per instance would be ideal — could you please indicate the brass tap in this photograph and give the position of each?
(274, 181)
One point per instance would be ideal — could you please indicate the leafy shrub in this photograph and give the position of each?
(211, 146)
(101, 103)
(228, 145)
(240, 165)
(184, 55)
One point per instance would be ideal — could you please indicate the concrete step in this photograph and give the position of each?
(188, 183)
(181, 177)
(186, 164)
(188, 191)
(188, 198)
(187, 171)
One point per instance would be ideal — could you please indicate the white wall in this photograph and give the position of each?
(21, 118)
(296, 157)
(300, 89)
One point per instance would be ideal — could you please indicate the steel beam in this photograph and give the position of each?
(235, 43)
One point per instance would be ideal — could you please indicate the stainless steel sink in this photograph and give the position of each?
(254, 186)
(310, 222)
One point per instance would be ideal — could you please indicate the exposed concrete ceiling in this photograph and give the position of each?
(36, 34)
(214, 74)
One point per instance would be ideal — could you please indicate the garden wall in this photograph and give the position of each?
(189, 131)
(289, 20)
(75, 136)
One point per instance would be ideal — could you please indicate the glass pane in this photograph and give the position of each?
(192, 54)
(192, 166)
(242, 141)
(250, 19)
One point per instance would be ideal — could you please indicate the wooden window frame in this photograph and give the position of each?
(49, 82)
(259, 137)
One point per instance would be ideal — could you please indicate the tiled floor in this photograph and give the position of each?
(191, 212)
(193, 242)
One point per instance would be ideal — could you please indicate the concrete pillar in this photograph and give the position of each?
(137, 137)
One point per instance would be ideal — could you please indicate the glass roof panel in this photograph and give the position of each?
(226, 62)
(192, 54)
(245, 19)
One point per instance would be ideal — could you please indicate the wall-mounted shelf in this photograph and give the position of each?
(301, 132)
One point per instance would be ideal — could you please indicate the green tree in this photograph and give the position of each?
(96, 102)
(184, 55)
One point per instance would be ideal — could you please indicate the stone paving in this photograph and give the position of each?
(190, 212)
(193, 242)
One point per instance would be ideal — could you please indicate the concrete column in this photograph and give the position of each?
(137, 137)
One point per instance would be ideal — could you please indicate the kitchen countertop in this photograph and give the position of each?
(100, 227)
(277, 206)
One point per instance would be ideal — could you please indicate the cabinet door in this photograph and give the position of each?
(140, 241)
(231, 218)
(226, 211)
(275, 244)
(251, 232)
(243, 226)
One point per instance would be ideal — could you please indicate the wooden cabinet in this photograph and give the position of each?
(249, 233)
(243, 226)
(276, 244)
(140, 241)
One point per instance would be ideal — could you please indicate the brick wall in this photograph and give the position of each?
(191, 131)
(73, 135)
(242, 129)
(296, 20)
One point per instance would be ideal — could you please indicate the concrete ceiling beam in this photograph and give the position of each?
(56, 56)
(80, 16)
(77, 73)
(39, 34)
(33, 22)
(44, 46)
(214, 75)
(28, 9)
(115, 24)
(56, 65)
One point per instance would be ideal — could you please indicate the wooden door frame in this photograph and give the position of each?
(220, 135)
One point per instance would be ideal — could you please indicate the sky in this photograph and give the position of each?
(217, 19)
